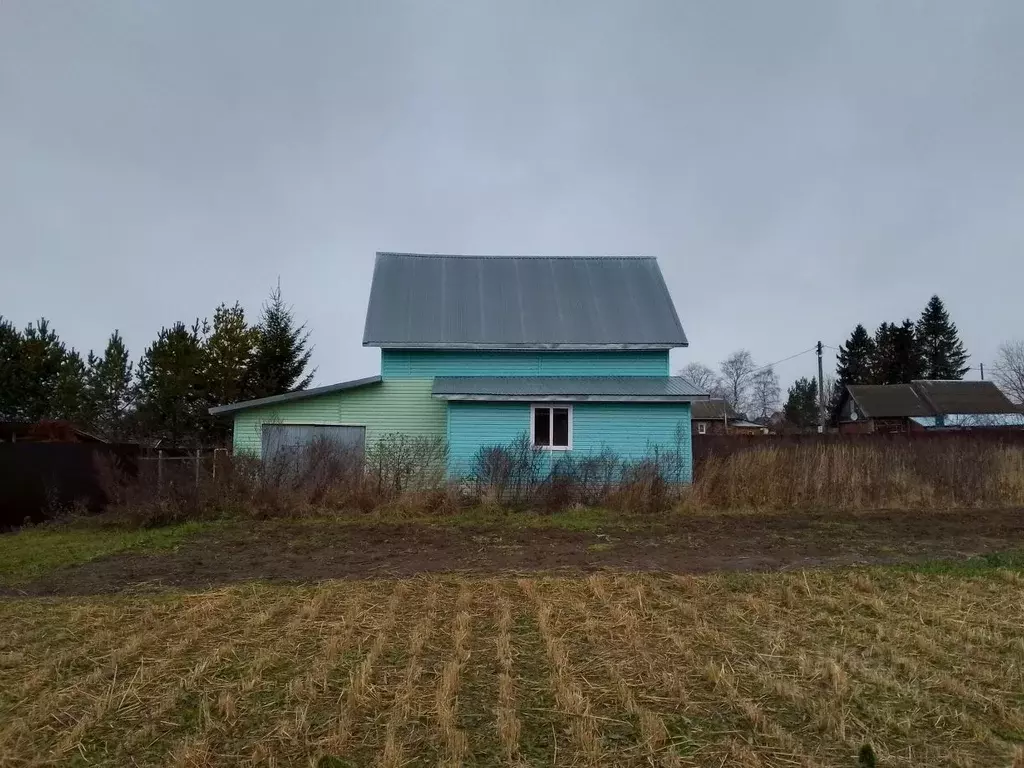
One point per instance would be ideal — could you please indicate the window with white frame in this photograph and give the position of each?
(702, 428)
(551, 427)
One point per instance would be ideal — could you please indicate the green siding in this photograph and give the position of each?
(404, 364)
(629, 429)
(391, 406)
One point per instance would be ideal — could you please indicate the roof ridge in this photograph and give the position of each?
(512, 256)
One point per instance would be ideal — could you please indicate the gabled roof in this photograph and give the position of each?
(519, 302)
(288, 397)
(968, 397)
(713, 409)
(634, 389)
(929, 398)
(888, 401)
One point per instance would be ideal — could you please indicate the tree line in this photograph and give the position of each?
(897, 353)
(165, 394)
(751, 391)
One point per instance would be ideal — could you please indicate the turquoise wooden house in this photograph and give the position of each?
(573, 352)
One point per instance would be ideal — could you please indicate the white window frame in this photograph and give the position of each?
(702, 428)
(551, 426)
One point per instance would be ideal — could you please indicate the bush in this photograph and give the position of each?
(405, 476)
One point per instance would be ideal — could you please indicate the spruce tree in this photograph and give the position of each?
(282, 351)
(110, 387)
(801, 408)
(943, 353)
(855, 365)
(898, 358)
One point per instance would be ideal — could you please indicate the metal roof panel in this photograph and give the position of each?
(520, 302)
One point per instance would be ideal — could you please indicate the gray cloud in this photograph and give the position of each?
(796, 167)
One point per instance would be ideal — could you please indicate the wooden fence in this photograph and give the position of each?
(41, 480)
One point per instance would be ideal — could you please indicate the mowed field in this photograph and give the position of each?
(796, 668)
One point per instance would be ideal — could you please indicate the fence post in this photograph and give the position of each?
(160, 469)
(198, 456)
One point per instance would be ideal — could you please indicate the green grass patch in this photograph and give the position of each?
(972, 566)
(33, 552)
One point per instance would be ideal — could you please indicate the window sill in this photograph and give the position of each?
(553, 448)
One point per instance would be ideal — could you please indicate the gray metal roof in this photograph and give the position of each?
(288, 397)
(519, 302)
(647, 389)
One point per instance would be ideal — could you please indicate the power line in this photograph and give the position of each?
(783, 360)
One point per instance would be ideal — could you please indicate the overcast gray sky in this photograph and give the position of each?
(796, 167)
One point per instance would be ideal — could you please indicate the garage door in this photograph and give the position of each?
(287, 441)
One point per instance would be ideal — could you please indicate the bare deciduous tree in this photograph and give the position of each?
(736, 372)
(1009, 372)
(765, 391)
(831, 393)
(698, 374)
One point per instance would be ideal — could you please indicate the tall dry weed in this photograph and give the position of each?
(904, 474)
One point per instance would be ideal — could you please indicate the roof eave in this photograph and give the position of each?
(288, 397)
(563, 398)
(481, 347)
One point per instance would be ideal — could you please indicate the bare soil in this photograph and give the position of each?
(302, 551)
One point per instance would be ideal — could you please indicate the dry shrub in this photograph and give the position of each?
(907, 474)
(404, 476)
(509, 475)
(518, 476)
(397, 463)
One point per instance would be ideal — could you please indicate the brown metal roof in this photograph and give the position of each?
(929, 398)
(968, 397)
(711, 409)
(888, 401)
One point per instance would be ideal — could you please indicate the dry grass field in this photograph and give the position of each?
(800, 668)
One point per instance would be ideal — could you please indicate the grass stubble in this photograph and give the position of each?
(795, 669)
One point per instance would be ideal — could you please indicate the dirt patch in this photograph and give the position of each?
(301, 552)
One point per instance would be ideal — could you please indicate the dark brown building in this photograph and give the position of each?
(716, 417)
(926, 405)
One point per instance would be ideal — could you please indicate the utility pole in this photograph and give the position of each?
(821, 395)
(982, 371)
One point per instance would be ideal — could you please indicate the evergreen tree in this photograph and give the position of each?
(943, 353)
(282, 351)
(42, 357)
(855, 366)
(882, 369)
(898, 358)
(230, 352)
(801, 408)
(171, 391)
(110, 388)
(70, 397)
(12, 381)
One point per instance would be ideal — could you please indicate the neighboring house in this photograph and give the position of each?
(573, 352)
(926, 405)
(717, 417)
